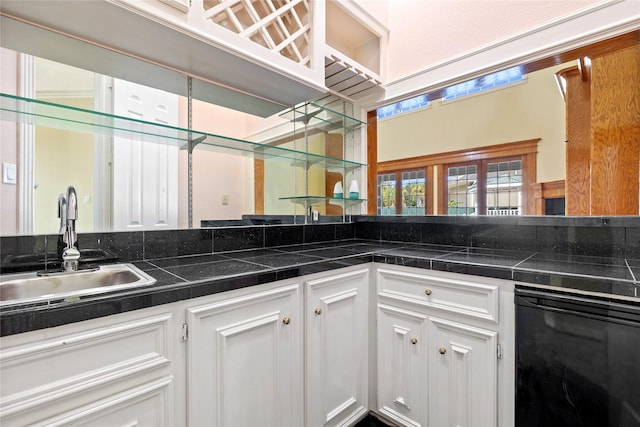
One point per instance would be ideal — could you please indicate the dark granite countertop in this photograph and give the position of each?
(186, 277)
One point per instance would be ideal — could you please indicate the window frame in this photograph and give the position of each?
(482, 174)
(528, 149)
(428, 188)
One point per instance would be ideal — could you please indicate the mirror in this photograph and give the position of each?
(470, 136)
(224, 190)
(123, 184)
(128, 181)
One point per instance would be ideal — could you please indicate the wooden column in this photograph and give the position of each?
(578, 144)
(615, 127)
(334, 148)
(258, 186)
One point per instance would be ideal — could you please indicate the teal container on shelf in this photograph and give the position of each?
(337, 190)
(354, 190)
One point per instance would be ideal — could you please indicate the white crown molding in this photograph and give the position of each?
(590, 25)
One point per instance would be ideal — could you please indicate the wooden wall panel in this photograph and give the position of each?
(529, 176)
(333, 148)
(615, 126)
(578, 149)
(258, 186)
(372, 161)
(429, 190)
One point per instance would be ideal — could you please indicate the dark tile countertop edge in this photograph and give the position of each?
(215, 273)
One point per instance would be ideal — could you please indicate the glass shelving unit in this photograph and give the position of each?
(310, 119)
(35, 112)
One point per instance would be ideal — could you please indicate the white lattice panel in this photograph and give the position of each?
(279, 25)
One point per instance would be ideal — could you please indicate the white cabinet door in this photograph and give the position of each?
(402, 365)
(462, 374)
(244, 360)
(336, 348)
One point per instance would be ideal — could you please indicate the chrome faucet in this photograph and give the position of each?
(68, 213)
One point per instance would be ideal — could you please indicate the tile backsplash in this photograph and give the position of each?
(617, 237)
(42, 252)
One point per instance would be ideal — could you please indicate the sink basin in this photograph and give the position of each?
(29, 287)
(25, 262)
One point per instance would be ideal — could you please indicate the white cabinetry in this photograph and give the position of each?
(109, 371)
(462, 374)
(402, 367)
(438, 348)
(336, 348)
(244, 363)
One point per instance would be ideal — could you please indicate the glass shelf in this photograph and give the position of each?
(310, 200)
(318, 117)
(41, 113)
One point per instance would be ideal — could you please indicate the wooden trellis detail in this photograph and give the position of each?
(282, 26)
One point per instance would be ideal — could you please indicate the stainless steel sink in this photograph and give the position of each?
(30, 287)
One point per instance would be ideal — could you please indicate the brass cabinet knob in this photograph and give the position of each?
(413, 340)
(318, 311)
(427, 292)
(442, 350)
(286, 320)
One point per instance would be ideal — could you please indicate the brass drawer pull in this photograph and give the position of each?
(286, 320)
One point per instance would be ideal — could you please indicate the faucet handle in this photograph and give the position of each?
(62, 212)
(72, 203)
(62, 201)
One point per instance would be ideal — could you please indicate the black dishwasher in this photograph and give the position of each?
(577, 360)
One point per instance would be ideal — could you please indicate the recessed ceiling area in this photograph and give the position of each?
(350, 37)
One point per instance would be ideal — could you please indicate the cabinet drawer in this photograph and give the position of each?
(84, 363)
(442, 291)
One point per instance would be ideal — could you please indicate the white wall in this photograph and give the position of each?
(53, 149)
(8, 145)
(426, 33)
(216, 173)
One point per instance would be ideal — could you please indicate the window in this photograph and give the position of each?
(402, 106)
(487, 187)
(413, 195)
(410, 200)
(462, 190)
(487, 180)
(387, 194)
(490, 81)
(504, 187)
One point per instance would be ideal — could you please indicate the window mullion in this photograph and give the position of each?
(398, 193)
(482, 187)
